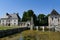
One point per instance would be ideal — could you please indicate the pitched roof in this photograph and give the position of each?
(54, 12)
(12, 16)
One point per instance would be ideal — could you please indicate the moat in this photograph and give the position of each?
(34, 35)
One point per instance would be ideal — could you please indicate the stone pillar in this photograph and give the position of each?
(49, 22)
(32, 24)
(37, 28)
(43, 28)
(31, 28)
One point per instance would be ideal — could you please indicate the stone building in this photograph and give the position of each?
(13, 20)
(54, 20)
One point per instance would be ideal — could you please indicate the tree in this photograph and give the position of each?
(27, 16)
(41, 18)
(46, 18)
(24, 18)
(35, 20)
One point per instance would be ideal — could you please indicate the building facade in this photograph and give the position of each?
(54, 20)
(13, 20)
(10, 19)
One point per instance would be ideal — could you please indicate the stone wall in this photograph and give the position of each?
(4, 33)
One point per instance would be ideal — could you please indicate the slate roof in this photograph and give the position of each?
(54, 12)
(11, 16)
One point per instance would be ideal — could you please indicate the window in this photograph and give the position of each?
(2, 20)
(21, 24)
(58, 19)
(52, 18)
(14, 20)
(24, 23)
(2, 23)
(55, 17)
(27, 24)
(14, 23)
(9, 20)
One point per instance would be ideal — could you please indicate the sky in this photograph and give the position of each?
(19, 6)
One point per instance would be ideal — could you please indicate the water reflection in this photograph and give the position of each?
(21, 37)
(27, 37)
(12, 37)
(36, 37)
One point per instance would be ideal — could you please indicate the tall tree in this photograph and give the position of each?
(47, 19)
(41, 18)
(24, 18)
(27, 16)
(35, 20)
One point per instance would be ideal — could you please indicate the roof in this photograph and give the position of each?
(7, 18)
(54, 12)
(11, 16)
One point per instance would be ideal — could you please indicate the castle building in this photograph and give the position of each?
(13, 20)
(54, 20)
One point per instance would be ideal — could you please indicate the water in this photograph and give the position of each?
(21, 37)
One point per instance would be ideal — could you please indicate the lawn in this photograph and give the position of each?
(39, 35)
(7, 27)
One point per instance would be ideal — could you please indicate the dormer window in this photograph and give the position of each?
(55, 17)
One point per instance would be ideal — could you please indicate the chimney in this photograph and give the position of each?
(7, 14)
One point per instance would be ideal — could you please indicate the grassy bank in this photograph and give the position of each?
(8, 27)
(39, 35)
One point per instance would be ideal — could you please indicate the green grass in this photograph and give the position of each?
(39, 35)
(7, 27)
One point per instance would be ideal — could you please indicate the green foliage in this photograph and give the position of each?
(43, 20)
(27, 16)
(24, 18)
(8, 27)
